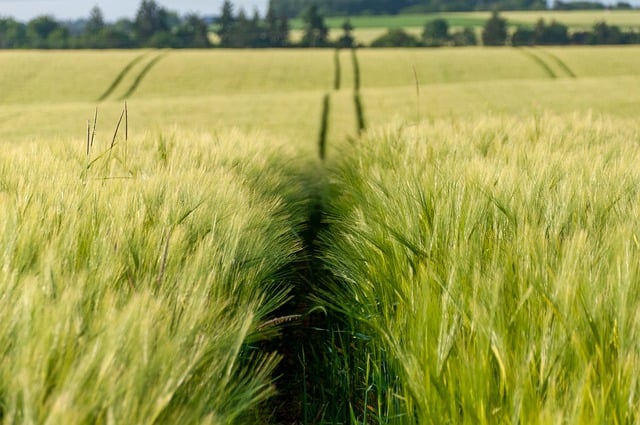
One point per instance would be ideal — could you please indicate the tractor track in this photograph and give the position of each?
(127, 70)
(560, 63)
(123, 73)
(540, 62)
(143, 73)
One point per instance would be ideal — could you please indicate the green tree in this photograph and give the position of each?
(40, 29)
(114, 37)
(257, 31)
(465, 37)
(607, 34)
(554, 33)
(94, 36)
(316, 32)
(58, 39)
(347, 40)
(13, 34)
(95, 23)
(494, 32)
(245, 31)
(396, 38)
(283, 30)
(295, 8)
(226, 25)
(436, 33)
(523, 36)
(277, 28)
(192, 33)
(150, 20)
(124, 25)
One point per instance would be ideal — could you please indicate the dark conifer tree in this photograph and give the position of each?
(316, 32)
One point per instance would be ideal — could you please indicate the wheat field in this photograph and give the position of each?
(173, 251)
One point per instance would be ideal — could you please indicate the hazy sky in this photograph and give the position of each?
(24, 10)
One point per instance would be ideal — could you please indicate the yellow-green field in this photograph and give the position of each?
(471, 256)
(368, 28)
(53, 94)
(575, 19)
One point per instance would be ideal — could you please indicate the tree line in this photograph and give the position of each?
(155, 26)
(496, 32)
(295, 8)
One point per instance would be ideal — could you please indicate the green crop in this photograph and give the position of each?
(485, 272)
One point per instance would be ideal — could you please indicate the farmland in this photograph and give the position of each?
(578, 20)
(470, 257)
(280, 92)
(368, 28)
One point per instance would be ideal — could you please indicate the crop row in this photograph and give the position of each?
(484, 272)
(139, 281)
(480, 272)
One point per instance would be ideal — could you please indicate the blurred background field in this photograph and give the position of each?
(54, 93)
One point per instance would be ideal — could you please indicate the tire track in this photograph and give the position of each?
(337, 71)
(123, 73)
(324, 127)
(143, 73)
(541, 63)
(560, 63)
(357, 99)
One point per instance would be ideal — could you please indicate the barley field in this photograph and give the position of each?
(138, 281)
(368, 28)
(280, 92)
(576, 19)
(487, 274)
(320, 237)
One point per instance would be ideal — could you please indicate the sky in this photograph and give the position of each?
(24, 10)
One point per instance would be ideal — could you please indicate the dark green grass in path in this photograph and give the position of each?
(324, 127)
(559, 62)
(538, 60)
(337, 70)
(362, 124)
(357, 99)
(121, 75)
(142, 74)
(356, 70)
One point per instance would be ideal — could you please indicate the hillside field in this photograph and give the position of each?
(574, 19)
(53, 94)
(173, 250)
(368, 28)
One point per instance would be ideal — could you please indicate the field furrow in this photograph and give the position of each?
(559, 62)
(122, 74)
(142, 74)
(539, 61)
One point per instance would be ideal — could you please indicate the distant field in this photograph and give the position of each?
(575, 19)
(29, 77)
(279, 91)
(368, 28)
